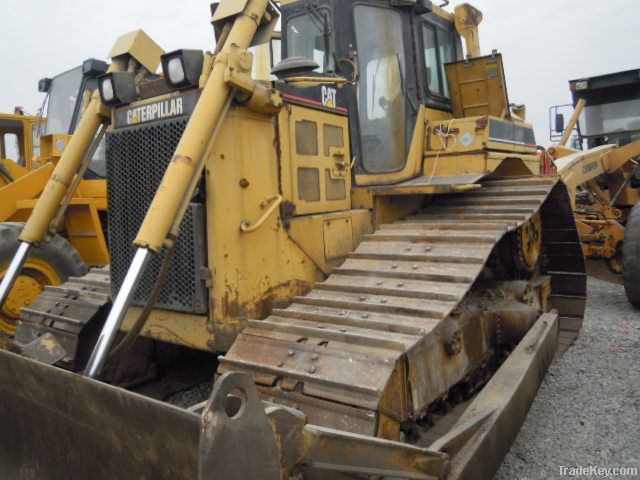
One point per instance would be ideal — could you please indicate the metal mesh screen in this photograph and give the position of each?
(136, 161)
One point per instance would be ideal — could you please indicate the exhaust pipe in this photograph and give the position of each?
(117, 313)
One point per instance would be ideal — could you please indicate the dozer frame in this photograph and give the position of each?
(424, 262)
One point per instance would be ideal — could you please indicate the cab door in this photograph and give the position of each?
(320, 161)
(388, 106)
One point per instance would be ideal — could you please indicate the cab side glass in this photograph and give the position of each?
(308, 36)
(11, 144)
(439, 49)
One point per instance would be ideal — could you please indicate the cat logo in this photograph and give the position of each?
(329, 97)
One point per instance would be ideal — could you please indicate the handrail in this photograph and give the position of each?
(245, 225)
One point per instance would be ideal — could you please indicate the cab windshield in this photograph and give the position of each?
(610, 118)
(63, 95)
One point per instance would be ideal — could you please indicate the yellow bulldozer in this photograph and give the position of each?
(30, 147)
(368, 241)
(604, 179)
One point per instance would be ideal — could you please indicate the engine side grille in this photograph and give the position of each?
(137, 158)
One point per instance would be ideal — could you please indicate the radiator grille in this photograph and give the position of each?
(136, 161)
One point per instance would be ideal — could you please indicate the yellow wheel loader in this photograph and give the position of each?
(604, 180)
(30, 147)
(368, 241)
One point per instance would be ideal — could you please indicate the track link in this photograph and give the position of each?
(375, 325)
(66, 311)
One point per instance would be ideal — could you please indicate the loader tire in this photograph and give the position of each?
(51, 263)
(631, 257)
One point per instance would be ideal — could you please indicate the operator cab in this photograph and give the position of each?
(67, 94)
(612, 112)
(14, 142)
(372, 44)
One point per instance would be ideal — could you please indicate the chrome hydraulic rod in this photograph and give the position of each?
(59, 185)
(117, 313)
(13, 271)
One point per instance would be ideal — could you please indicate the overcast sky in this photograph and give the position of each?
(545, 43)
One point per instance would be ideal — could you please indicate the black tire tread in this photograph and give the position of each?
(58, 253)
(631, 257)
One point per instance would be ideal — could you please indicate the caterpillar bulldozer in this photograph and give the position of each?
(367, 241)
(30, 147)
(604, 179)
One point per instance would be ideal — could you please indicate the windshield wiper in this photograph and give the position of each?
(322, 23)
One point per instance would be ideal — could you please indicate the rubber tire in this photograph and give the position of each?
(631, 257)
(58, 253)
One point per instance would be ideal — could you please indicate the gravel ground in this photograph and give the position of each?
(587, 411)
(188, 398)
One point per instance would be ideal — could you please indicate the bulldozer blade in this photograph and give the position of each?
(56, 424)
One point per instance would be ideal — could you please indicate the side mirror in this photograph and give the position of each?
(559, 122)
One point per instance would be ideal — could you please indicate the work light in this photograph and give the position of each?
(117, 88)
(44, 84)
(182, 68)
(92, 67)
(582, 85)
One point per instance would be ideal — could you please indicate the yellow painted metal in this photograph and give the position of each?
(566, 136)
(478, 87)
(172, 327)
(250, 274)
(200, 131)
(272, 203)
(472, 134)
(578, 167)
(140, 46)
(36, 227)
(23, 127)
(52, 146)
(530, 240)
(338, 238)
(467, 19)
(449, 164)
(28, 186)
(312, 163)
(84, 232)
(414, 159)
(36, 274)
(314, 235)
(14, 170)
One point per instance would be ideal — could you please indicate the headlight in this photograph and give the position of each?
(117, 88)
(106, 90)
(175, 70)
(582, 85)
(44, 84)
(183, 68)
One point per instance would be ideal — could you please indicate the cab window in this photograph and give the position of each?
(309, 36)
(11, 147)
(439, 49)
(36, 131)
